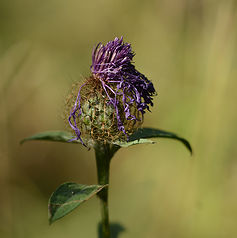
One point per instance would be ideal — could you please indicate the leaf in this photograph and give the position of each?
(144, 133)
(115, 230)
(58, 136)
(69, 196)
(141, 136)
(134, 142)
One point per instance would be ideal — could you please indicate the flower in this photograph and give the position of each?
(111, 103)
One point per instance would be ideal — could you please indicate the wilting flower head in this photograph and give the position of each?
(111, 103)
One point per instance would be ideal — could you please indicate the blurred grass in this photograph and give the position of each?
(188, 49)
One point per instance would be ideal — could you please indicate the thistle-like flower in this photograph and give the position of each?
(110, 104)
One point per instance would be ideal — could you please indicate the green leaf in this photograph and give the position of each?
(141, 136)
(58, 136)
(145, 133)
(134, 142)
(115, 230)
(69, 196)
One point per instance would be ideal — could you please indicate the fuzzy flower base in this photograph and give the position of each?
(98, 118)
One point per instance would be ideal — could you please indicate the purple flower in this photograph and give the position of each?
(123, 85)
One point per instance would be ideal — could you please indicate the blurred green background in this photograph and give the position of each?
(188, 48)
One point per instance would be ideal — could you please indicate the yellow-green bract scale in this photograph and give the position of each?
(96, 114)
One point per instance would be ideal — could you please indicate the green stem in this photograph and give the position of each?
(104, 153)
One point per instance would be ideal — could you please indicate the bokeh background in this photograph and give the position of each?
(188, 48)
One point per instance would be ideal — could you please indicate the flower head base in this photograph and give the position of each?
(111, 103)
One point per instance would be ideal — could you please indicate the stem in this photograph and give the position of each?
(104, 153)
